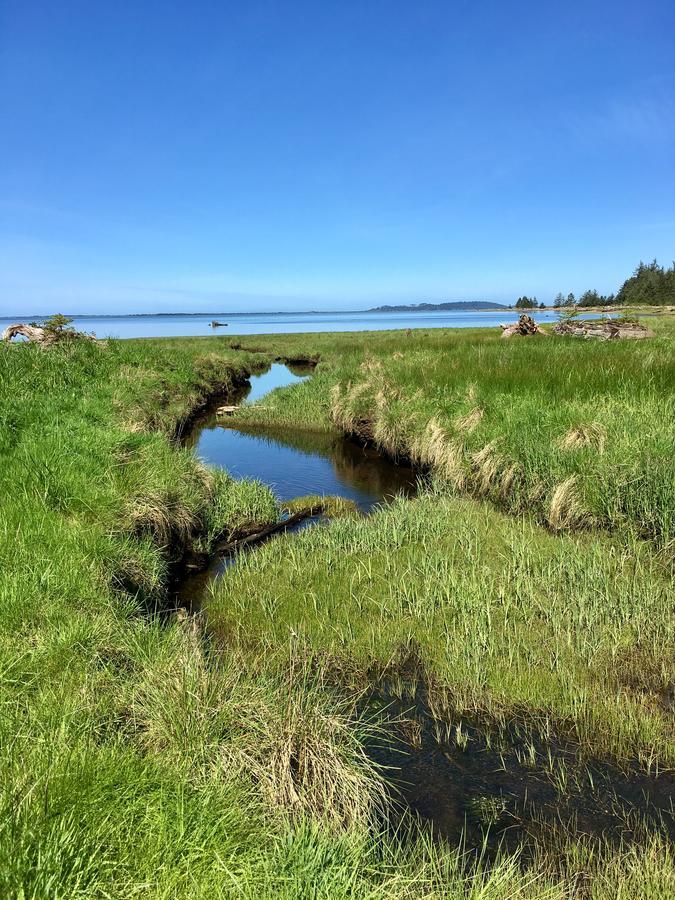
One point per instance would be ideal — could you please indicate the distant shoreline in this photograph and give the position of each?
(456, 306)
(447, 306)
(403, 310)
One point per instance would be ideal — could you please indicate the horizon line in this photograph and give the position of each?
(402, 307)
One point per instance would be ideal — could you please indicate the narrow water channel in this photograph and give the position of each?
(298, 463)
(291, 463)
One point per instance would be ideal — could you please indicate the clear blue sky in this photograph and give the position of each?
(261, 155)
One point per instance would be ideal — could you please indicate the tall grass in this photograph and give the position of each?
(579, 433)
(576, 634)
(95, 503)
(136, 760)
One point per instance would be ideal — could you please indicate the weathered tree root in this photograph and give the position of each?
(43, 336)
(32, 332)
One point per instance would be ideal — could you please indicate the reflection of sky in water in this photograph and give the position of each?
(297, 464)
(276, 376)
(288, 323)
(292, 464)
(292, 472)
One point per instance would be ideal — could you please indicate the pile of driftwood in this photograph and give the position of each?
(45, 337)
(525, 326)
(604, 331)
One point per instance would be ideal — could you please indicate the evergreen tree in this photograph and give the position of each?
(590, 298)
(526, 303)
(649, 285)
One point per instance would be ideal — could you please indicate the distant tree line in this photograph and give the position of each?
(562, 301)
(528, 303)
(649, 285)
(593, 298)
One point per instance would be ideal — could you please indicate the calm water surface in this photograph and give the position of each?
(293, 464)
(296, 463)
(288, 323)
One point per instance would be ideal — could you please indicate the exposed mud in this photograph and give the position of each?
(362, 432)
(301, 363)
(298, 360)
(234, 387)
(192, 576)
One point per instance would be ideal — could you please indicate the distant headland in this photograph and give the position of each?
(439, 307)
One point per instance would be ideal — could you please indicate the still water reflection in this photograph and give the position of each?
(296, 463)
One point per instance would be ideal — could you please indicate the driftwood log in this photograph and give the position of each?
(525, 326)
(604, 331)
(32, 332)
(45, 337)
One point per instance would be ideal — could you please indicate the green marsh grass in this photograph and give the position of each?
(134, 763)
(505, 615)
(579, 433)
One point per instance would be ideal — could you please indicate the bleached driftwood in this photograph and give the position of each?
(45, 337)
(604, 331)
(32, 332)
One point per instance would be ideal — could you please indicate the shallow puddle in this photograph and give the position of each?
(499, 789)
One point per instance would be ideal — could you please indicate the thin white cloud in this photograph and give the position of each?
(640, 119)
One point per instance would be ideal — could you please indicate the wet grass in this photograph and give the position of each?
(548, 627)
(485, 652)
(332, 507)
(510, 621)
(301, 407)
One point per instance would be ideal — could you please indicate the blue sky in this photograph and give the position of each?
(295, 155)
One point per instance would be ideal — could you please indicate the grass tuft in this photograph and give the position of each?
(566, 509)
(593, 435)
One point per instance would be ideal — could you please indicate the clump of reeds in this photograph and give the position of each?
(434, 447)
(332, 507)
(470, 420)
(546, 413)
(297, 743)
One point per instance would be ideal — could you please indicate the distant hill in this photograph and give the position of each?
(435, 307)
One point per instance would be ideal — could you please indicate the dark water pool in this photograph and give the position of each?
(297, 463)
(293, 464)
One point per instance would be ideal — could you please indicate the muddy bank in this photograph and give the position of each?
(362, 433)
(178, 545)
(221, 391)
(193, 572)
(296, 359)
